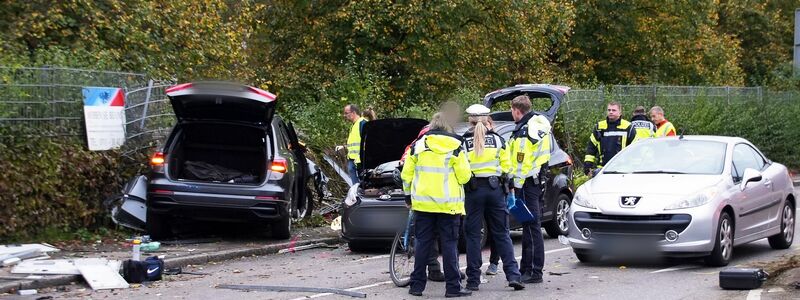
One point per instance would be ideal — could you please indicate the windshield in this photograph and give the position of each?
(670, 157)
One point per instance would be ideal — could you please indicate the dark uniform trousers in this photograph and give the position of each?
(488, 202)
(532, 261)
(426, 226)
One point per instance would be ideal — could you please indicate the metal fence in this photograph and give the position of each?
(766, 118)
(48, 102)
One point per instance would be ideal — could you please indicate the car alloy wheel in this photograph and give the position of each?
(561, 215)
(725, 239)
(788, 223)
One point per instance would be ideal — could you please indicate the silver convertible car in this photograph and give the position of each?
(692, 196)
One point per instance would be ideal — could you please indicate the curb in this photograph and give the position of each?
(196, 259)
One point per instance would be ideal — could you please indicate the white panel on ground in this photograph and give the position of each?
(11, 249)
(101, 277)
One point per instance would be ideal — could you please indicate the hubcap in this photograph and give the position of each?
(725, 241)
(561, 215)
(788, 223)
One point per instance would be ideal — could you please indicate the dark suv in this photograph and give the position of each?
(228, 158)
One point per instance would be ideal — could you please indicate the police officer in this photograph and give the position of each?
(643, 127)
(529, 154)
(353, 114)
(608, 138)
(488, 161)
(433, 175)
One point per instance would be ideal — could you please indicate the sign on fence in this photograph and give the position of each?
(104, 109)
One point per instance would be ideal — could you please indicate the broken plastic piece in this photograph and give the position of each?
(270, 288)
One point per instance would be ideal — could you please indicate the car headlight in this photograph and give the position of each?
(352, 196)
(581, 199)
(696, 200)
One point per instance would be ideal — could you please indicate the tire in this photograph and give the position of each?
(784, 239)
(559, 225)
(723, 246)
(462, 238)
(158, 226)
(401, 260)
(282, 229)
(304, 206)
(587, 256)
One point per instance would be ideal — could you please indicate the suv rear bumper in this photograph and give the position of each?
(216, 207)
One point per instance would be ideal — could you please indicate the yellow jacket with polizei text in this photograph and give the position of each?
(527, 154)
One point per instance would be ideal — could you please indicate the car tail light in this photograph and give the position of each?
(179, 87)
(278, 165)
(157, 159)
(163, 192)
(264, 93)
(266, 198)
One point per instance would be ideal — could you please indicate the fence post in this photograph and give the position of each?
(146, 102)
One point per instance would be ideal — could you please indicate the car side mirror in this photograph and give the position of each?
(750, 175)
(596, 171)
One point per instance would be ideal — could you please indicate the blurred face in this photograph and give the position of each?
(516, 114)
(348, 114)
(656, 117)
(613, 112)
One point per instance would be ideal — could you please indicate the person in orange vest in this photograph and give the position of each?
(663, 127)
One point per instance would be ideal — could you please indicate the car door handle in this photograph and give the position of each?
(768, 183)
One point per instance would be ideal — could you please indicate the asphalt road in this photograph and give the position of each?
(565, 278)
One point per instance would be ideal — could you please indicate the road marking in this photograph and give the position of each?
(675, 268)
(372, 257)
(754, 295)
(389, 281)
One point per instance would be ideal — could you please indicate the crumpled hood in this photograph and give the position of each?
(442, 142)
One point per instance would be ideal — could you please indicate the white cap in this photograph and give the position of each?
(478, 110)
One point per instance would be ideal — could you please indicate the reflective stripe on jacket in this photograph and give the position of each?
(607, 139)
(493, 161)
(354, 141)
(434, 172)
(665, 129)
(527, 154)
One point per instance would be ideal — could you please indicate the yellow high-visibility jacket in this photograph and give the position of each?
(354, 141)
(493, 161)
(527, 154)
(434, 172)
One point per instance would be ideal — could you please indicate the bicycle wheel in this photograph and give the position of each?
(401, 259)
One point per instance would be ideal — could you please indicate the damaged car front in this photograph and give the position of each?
(373, 209)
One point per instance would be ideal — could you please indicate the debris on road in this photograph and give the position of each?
(558, 273)
(176, 271)
(292, 249)
(61, 266)
(27, 292)
(270, 288)
(336, 224)
(102, 277)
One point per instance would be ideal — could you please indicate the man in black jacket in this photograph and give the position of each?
(608, 138)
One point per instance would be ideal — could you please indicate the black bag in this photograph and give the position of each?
(139, 271)
(741, 279)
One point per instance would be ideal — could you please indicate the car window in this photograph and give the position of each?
(670, 156)
(745, 157)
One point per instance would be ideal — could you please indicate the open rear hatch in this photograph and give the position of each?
(555, 93)
(222, 132)
(222, 101)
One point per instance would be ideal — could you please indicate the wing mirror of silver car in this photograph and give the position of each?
(750, 175)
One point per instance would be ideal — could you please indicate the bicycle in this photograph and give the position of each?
(401, 257)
